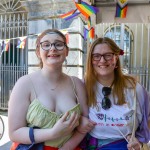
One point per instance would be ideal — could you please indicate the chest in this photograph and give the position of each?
(118, 114)
(58, 101)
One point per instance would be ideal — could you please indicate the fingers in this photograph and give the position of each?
(94, 123)
(64, 117)
(86, 126)
(91, 124)
(89, 128)
(73, 120)
(129, 137)
(134, 145)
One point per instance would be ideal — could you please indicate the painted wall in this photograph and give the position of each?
(135, 14)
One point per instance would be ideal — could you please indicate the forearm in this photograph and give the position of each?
(74, 141)
(21, 135)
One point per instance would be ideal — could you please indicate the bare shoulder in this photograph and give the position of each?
(82, 95)
(23, 84)
(80, 88)
(26, 79)
(78, 82)
(22, 81)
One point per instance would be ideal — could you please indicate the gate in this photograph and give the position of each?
(134, 39)
(13, 60)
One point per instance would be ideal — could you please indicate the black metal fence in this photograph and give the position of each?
(8, 77)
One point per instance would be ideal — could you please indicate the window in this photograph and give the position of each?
(123, 38)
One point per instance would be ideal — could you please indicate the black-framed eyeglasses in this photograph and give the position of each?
(106, 56)
(47, 45)
(106, 103)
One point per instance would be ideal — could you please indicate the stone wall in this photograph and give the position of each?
(45, 14)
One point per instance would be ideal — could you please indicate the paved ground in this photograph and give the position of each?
(5, 141)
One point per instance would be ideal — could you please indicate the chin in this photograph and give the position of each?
(104, 74)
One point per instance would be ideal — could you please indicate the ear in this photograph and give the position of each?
(117, 57)
(38, 53)
(67, 52)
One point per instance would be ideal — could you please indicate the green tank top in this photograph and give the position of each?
(41, 117)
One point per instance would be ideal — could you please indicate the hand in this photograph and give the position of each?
(133, 144)
(85, 125)
(66, 124)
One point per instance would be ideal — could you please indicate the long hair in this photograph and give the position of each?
(121, 80)
(48, 31)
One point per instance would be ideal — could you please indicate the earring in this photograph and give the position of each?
(66, 63)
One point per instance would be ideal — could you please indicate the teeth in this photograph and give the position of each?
(102, 66)
(53, 55)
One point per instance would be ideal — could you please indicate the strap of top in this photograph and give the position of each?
(33, 87)
(74, 89)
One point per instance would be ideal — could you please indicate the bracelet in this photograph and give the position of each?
(31, 135)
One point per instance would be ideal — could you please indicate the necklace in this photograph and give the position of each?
(53, 89)
(49, 82)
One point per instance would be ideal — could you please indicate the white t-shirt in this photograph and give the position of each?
(117, 120)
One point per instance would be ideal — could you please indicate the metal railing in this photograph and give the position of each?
(143, 76)
(8, 77)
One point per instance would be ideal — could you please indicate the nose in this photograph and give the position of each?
(52, 47)
(102, 59)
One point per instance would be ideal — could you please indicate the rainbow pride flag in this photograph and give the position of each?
(86, 9)
(122, 3)
(121, 12)
(71, 14)
(92, 33)
(5, 45)
(89, 22)
(21, 42)
(83, 7)
(89, 33)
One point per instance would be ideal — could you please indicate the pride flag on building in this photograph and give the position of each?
(71, 14)
(86, 9)
(121, 8)
(89, 33)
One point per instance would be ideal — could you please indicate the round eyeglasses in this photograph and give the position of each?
(47, 45)
(106, 56)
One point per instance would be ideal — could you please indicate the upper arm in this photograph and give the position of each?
(18, 104)
(144, 101)
(149, 110)
(82, 95)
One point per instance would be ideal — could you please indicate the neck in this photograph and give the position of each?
(105, 81)
(52, 75)
(52, 78)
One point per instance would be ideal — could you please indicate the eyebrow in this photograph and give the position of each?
(103, 54)
(54, 41)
